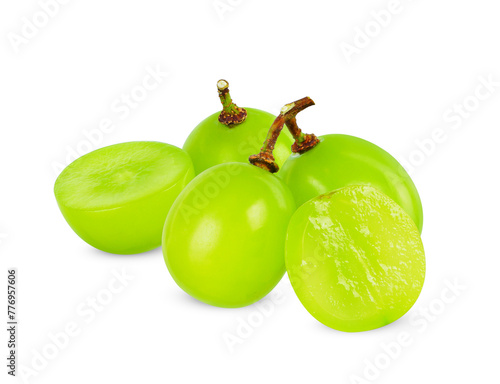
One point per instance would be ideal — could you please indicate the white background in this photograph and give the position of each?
(398, 90)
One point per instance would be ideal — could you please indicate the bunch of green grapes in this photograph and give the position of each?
(342, 216)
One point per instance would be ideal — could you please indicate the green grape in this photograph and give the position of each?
(117, 198)
(232, 135)
(335, 161)
(224, 237)
(341, 160)
(355, 258)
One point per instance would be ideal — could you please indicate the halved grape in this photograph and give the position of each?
(355, 258)
(117, 198)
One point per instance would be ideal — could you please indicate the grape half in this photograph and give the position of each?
(117, 198)
(224, 237)
(355, 259)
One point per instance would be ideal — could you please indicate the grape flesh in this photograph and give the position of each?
(355, 259)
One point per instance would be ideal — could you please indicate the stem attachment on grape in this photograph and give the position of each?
(265, 158)
(231, 114)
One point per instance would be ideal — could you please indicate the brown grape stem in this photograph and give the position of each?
(265, 159)
(231, 114)
(303, 141)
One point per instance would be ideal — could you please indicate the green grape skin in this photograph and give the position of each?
(117, 198)
(212, 143)
(224, 238)
(355, 259)
(342, 160)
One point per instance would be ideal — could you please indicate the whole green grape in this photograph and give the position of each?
(335, 161)
(224, 237)
(232, 135)
(355, 258)
(117, 198)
